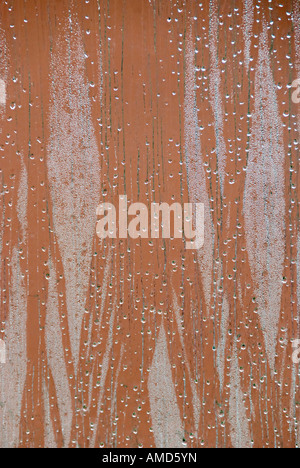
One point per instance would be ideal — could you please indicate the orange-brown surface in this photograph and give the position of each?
(141, 342)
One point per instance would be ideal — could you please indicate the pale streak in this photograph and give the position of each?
(264, 204)
(295, 372)
(296, 368)
(296, 25)
(2, 92)
(195, 171)
(2, 352)
(239, 424)
(222, 341)
(106, 279)
(74, 174)
(294, 423)
(166, 422)
(23, 200)
(196, 400)
(13, 373)
(216, 97)
(49, 432)
(55, 355)
(104, 371)
(248, 20)
(116, 384)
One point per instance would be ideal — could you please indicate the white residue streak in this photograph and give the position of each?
(166, 421)
(196, 175)
(215, 91)
(73, 168)
(49, 433)
(2, 352)
(2, 92)
(13, 372)
(239, 424)
(222, 341)
(191, 372)
(104, 371)
(264, 204)
(248, 20)
(296, 25)
(23, 200)
(55, 355)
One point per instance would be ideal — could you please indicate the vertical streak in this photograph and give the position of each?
(264, 204)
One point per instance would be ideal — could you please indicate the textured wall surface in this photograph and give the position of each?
(141, 342)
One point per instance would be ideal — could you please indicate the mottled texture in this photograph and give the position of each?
(142, 342)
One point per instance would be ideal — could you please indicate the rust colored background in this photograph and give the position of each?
(142, 343)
